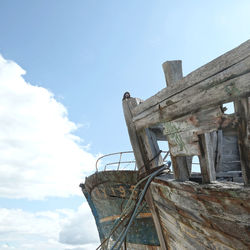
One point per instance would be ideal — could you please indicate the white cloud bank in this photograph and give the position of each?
(23, 230)
(39, 155)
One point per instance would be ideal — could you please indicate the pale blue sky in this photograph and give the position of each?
(88, 53)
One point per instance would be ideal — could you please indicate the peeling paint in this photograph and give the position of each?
(172, 131)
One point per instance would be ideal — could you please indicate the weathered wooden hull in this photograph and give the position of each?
(212, 216)
(107, 193)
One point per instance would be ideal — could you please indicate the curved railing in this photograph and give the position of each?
(119, 162)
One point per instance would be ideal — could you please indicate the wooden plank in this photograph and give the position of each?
(206, 157)
(128, 105)
(201, 97)
(219, 150)
(182, 133)
(142, 145)
(220, 64)
(152, 148)
(230, 156)
(181, 168)
(243, 110)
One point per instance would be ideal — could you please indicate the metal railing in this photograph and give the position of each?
(120, 162)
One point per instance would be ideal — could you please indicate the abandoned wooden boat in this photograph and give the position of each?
(210, 209)
(107, 193)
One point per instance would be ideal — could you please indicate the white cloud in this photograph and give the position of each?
(75, 233)
(24, 230)
(39, 154)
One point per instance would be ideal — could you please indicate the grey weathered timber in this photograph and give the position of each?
(182, 132)
(152, 148)
(181, 168)
(212, 216)
(128, 105)
(210, 96)
(243, 110)
(173, 73)
(226, 85)
(207, 157)
(230, 157)
(215, 67)
(219, 153)
(141, 147)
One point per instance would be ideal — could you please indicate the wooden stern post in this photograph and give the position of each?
(145, 149)
(242, 107)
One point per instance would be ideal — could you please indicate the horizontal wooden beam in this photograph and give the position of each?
(208, 93)
(182, 133)
(228, 73)
(216, 66)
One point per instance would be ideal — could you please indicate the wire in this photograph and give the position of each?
(125, 213)
(125, 230)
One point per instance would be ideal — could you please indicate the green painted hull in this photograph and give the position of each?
(107, 194)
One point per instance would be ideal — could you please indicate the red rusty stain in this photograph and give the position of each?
(193, 120)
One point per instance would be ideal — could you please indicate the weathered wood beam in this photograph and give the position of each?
(243, 110)
(227, 91)
(128, 105)
(223, 80)
(173, 73)
(214, 67)
(182, 132)
(207, 157)
(144, 147)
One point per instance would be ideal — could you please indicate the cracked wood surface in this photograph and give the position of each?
(212, 216)
(182, 133)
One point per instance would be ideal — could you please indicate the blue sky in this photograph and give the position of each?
(88, 53)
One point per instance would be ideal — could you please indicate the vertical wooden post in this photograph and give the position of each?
(145, 147)
(207, 157)
(181, 164)
(243, 110)
(172, 71)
